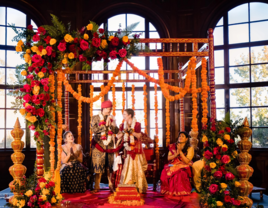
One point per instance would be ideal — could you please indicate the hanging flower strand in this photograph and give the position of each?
(167, 123)
(79, 120)
(156, 120)
(204, 92)
(133, 97)
(91, 113)
(145, 108)
(194, 97)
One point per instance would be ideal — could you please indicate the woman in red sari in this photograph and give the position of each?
(175, 177)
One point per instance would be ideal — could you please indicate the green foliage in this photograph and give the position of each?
(58, 24)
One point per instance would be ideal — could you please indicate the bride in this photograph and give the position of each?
(135, 163)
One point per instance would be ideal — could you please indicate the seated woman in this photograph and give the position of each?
(73, 173)
(175, 177)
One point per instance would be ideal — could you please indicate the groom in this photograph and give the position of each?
(103, 126)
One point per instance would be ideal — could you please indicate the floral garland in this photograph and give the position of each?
(133, 97)
(114, 100)
(128, 136)
(167, 123)
(194, 96)
(156, 119)
(52, 130)
(91, 112)
(79, 120)
(145, 108)
(204, 92)
(104, 138)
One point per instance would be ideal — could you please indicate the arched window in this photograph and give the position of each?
(9, 59)
(241, 67)
(142, 26)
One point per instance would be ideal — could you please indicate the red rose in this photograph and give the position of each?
(115, 41)
(41, 30)
(27, 98)
(216, 150)
(206, 144)
(72, 48)
(46, 88)
(82, 58)
(53, 55)
(96, 42)
(62, 46)
(44, 81)
(22, 90)
(101, 30)
(36, 134)
(228, 129)
(36, 70)
(30, 27)
(29, 108)
(102, 54)
(36, 38)
(30, 68)
(34, 111)
(32, 127)
(40, 112)
(27, 88)
(208, 155)
(84, 45)
(44, 103)
(227, 199)
(235, 202)
(40, 48)
(49, 65)
(45, 132)
(213, 188)
(49, 50)
(224, 149)
(44, 70)
(122, 52)
(47, 39)
(47, 97)
(213, 128)
(221, 132)
(222, 169)
(207, 168)
(41, 96)
(218, 174)
(42, 180)
(229, 176)
(76, 40)
(95, 35)
(52, 184)
(41, 63)
(89, 62)
(37, 189)
(231, 141)
(36, 101)
(218, 157)
(113, 54)
(36, 58)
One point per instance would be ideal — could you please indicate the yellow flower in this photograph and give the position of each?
(68, 38)
(59, 197)
(42, 185)
(52, 41)
(224, 146)
(43, 197)
(71, 55)
(20, 43)
(32, 119)
(204, 138)
(64, 61)
(89, 26)
(223, 185)
(18, 48)
(28, 51)
(237, 184)
(219, 142)
(34, 49)
(104, 43)
(44, 52)
(86, 36)
(29, 193)
(227, 137)
(14, 201)
(22, 111)
(38, 52)
(21, 203)
(47, 176)
(53, 200)
(24, 73)
(219, 204)
(28, 116)
(125, 39)
(36, 89)
(212, 165)
(40, 74)
(45, 191)
(27, 57)
(111, 37)
(234, 154)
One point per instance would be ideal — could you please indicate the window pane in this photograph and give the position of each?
(259, 54)
(218, 36)
(239, 113)
(11, 79)
(139, 104)
(132, 19)
(2, 58)
(2, 136)
(2, 17)
(259, 137)
(10, 98)
(10, 35)
(239, 74)
(154, 75)
(113, 22)
(219, 61)
(259, 96)
(220, 98)
(33, 24)
(33, 142)
(10, 139)
(152, 118)
(2, 98)
(238, 33)
(2, 36)
(118, 117)
(153, 62)
(258, 31)
(118, 98)
(97, 104)
(258, 11)
(151, 27)
(2, 76)
(97, 66)
(14, 59)
(219, 75)
(16, 17)
(220, 114)
(2, 121)
(239, 97)
(239, 56)
(12, 117)
(152, 45)
(159, 99)
(259, 117)
(259, 73)
(139, 62)
(160, 134)
(139, 114)
(220, 22)
(238, 14)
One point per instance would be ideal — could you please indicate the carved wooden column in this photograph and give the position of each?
(17, 170)
(244, 170)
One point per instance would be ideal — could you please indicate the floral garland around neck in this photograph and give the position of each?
(104, 139)
(129, 134)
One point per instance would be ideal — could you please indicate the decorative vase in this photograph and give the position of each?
(40, 160)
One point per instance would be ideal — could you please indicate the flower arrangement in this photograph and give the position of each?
(219, 178)
(145, 108)
(79, 120)
(204, 91)
(194, 96)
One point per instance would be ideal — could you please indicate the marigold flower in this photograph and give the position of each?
(86, 36)
(52, 41)
(68, 38)
(18, 48)
(24, 73)
(89, 26)
(40, 74)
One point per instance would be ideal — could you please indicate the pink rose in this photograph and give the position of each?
(36, 58)
(113, 54)
(84, 45)
(229, 176)
(29, 108)
(46, 88)
(122, 52)
(40, 112)
(115, 41)
(44, 81)
(96, 42)
(218, 174)
(47, 205)
(225, 159)
(208, 155)
(49, 50)
(82, 58)
(27, 88)
(213, 188)
(62, 46)
(41, 96)
(226, 192)
(36, 134)
(41, 30)
(235, 202)
(216, 150)
(32, 127)
(27, 98)
(36, 38)
(44, 131)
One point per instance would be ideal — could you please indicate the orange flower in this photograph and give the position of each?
(145, 107)
(133, 97)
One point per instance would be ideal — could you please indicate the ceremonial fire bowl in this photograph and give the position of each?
(244, 172)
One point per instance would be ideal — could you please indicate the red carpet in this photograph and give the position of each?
(152, 199)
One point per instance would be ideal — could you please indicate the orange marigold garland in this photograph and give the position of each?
(145, 108)
(156, 120)
(79, 120)
(123, 97)
(204, 93)
(52, 129)
(133, 97)
(114, 100)
(194, 97)
(91, 114)
(167, 123)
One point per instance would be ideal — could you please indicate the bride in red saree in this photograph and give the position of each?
(175, 177)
